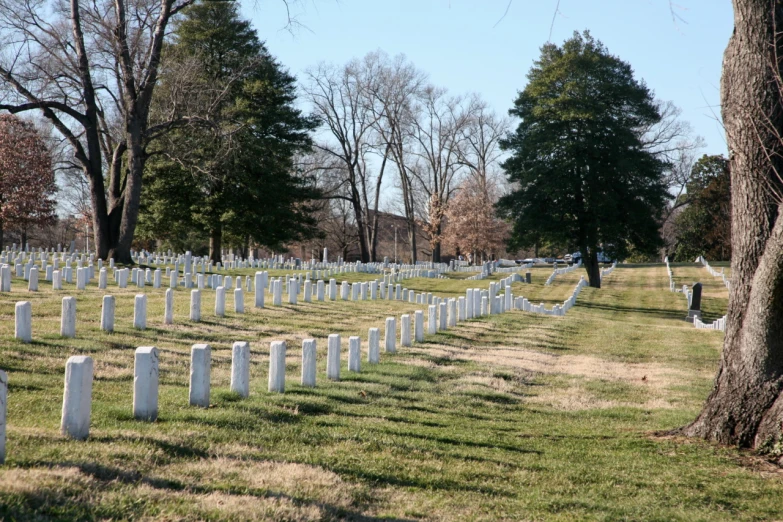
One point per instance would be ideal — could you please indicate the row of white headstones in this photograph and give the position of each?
(718, 324)
(714, 273)
(443, 314)
(559, 271)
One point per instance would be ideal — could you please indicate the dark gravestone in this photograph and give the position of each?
(528, 278)
(694, 310)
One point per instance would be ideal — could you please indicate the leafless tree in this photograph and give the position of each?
(341, 98)
(91, 69)
(439, 133)
(393, 99)
(481, 152)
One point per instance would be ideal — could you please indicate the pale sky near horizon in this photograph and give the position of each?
(469, 46)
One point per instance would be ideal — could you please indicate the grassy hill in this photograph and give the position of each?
(517, 416)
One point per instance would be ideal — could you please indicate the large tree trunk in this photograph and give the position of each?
(745, 406)
(592, 267)
(216, 244)
(131, 198)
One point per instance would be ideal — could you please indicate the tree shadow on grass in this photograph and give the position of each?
(51, 504)
(656, 312)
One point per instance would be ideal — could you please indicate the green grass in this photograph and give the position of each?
(517, 416)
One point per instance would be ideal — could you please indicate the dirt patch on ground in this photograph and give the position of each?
(651, 380)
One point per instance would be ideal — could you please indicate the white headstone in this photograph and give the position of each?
(200, 361)
(168, 309)
(277, 367)
(240, 368)
(32, 285)
(308, 363)
(23, 321)
(195, 305)
(239, 300)
(333, 357)
(419, 330)
(443, 315)
(68, 318)
(354, 354)
(145, 383)
(77, 399)
(259, 283)
(405, 330)
(107, 313)
(391, 335)
(432, 320)
(220, 301)
(140, 312)
(374, 346)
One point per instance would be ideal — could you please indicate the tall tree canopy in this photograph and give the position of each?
(27, 183)
(704, 226)
(582, 171)
(236, 180)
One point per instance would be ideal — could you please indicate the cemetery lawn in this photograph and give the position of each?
(516, 416)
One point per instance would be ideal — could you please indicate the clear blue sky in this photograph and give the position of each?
(458, 43)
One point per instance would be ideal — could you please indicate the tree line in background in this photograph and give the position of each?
(196, 140)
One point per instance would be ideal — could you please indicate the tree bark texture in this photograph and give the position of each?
(745, 406)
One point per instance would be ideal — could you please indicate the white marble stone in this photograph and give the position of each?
(332, 289)
(390, 335)
(168, 308)
(308, 363)
(277, 293)
(23, 321)
(5, 279)
(68, 318)
(374, 346)
(405, 330)
(200, 362)
(333, 357)
(259, 289)
(107, 313)
(77, 398)
(140, 312)
(319, 290)
(145, 383)
(308, 292)
(277, 366)
(32, 284)
(195, 305)
(419, 330)
(354, 354)
(220, 301)
(442, 316)
(432, 320)
(239, 300)
(240, 368)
